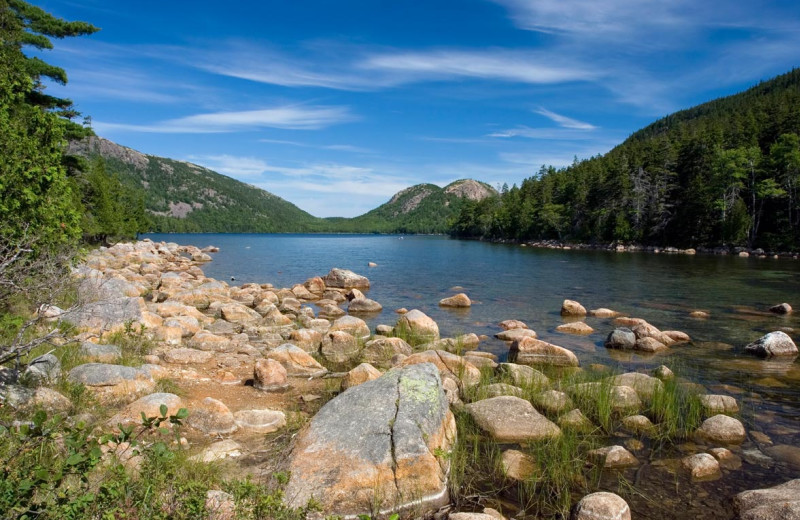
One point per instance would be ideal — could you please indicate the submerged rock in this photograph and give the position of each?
(779, 502)
(380, 446)
(781, 308)
(702, 466)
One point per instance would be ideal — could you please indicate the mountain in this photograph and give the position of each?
(423, 208)
(184, 197)
(725, 172)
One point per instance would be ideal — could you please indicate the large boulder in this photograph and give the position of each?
(722, 429)
(112, 379)
(523, 375)
(621, 338)
(449, 365)
(364, 306)
(44, 369)
(601, 506)
(356, 327)
(238, 313)
(512, 419)
(212, 417)
(339, 347)
(269, 375)
(780, 502)
(100, 353)
(418, 326)
(380, 351)
(360, 375)
(532, 351)
(646, 386)
(296, 361)
(381, 445)
(459, 300)
(345, 279)
(515, 334)
(572, 308)
(774, 344)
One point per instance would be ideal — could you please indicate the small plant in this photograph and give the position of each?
(49, 466)
(133, 342)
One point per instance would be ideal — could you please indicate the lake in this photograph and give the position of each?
(513, 282)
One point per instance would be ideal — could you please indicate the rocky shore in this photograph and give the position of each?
(637, 248)
(378, 419)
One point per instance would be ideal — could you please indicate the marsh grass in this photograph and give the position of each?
(562, 475)
(676, 410)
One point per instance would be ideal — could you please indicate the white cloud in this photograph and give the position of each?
(231, 165)
(564, 121)
(605, 18)
(527, 132)
(495, 64)
(293, 117)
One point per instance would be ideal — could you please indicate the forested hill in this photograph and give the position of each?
(423, 208)
(724, 172)
(184, 197)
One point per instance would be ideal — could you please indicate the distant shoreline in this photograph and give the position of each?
(539, 244)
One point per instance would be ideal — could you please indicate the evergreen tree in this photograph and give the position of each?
(36, 198)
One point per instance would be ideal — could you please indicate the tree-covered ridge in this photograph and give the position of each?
(184, 197)
(423, 208)
(722, 173)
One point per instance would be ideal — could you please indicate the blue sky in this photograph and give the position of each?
(335, 106)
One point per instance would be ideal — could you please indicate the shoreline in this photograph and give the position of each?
(638, 248)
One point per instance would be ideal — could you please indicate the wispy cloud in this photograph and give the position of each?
(230, 165)
(561, 134)
(366, 69)
(617, 18)
(293, 117)
(496, 64)
(564, 121)
(334, 147)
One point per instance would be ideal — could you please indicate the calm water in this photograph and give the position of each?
(509, 281)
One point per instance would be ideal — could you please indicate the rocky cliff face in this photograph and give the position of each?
(470, 189)
(108, 149)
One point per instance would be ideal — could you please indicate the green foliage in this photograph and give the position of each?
(424, 208)
(35, 193)
(50, 467)
(725, 172)
(111, 211)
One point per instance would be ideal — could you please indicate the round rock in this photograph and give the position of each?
(260, 421)
(601, 506)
